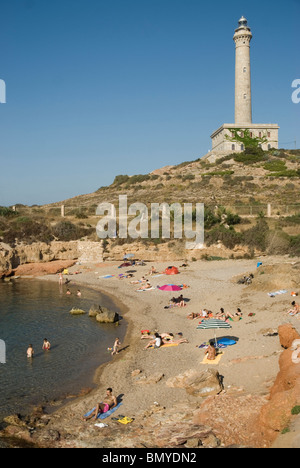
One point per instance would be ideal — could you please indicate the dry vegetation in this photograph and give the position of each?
(238, 186)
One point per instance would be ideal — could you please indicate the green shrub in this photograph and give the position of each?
(294, 247)
(219, 173)
(229, 237)
(188, 177)
(249, 158)
(7, 212)
(296, 410)
(286, 173)
(67, 231)
(120, 179)
(256, 237)
(275, 166)
(27, 230)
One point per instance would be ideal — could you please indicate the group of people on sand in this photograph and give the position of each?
(176, 302)
(159, 339)
(206, 314)
(46, 346)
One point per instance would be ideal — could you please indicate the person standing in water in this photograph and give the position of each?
(116, 346)
(30, 351)
(46, 344)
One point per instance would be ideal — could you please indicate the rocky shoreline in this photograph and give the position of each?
(250, 395)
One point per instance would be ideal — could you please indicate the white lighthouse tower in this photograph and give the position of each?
(243, 106)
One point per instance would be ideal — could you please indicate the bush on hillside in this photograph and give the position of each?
(24, 229)
(67, 231)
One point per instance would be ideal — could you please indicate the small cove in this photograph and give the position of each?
(31, 310)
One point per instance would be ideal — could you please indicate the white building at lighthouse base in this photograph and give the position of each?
(221, 144)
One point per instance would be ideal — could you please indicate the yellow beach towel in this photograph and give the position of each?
(167, 345)
(214, 362)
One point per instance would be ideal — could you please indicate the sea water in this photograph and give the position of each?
(31, 310)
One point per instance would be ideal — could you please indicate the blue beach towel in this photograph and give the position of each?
(103, 415)
(281, 291)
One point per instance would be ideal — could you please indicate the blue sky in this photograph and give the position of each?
(96, 88)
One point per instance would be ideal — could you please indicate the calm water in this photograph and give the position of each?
(33, 310)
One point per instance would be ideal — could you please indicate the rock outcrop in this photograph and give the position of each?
(12, 258)
(276, 415)
(196, 383)
(103, 315)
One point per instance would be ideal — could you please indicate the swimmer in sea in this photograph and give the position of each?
(30, 351)
(46, 344)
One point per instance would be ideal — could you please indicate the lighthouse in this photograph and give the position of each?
(221, 145)
(243, 108)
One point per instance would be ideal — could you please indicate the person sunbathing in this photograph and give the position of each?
(222, 315)
(177, 302)
(156, 342)
(109, 402)
(193, 315)
(211, 352)
(142, 280)
(152, 271)
(295, 310)
(145, 286)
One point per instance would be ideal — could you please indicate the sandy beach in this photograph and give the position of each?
(248, 368)
(141, 378)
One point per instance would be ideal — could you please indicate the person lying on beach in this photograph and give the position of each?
(165, 339)
(193, 315)
(211, 351)
(142, 280)
(108, 403)
(176, 302)
(164, 336)
(145, 286)
(295, 310)
(129, 275)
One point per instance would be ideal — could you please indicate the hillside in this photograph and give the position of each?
(236, 190)
(237, 179)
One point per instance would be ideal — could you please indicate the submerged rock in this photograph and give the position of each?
(106, 316)
(75, 311)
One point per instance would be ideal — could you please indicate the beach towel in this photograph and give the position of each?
(214, 362)
(219, 345)
(106, 276)
(281, 291)
(103, 415)
(148, 289)
(167, 345)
